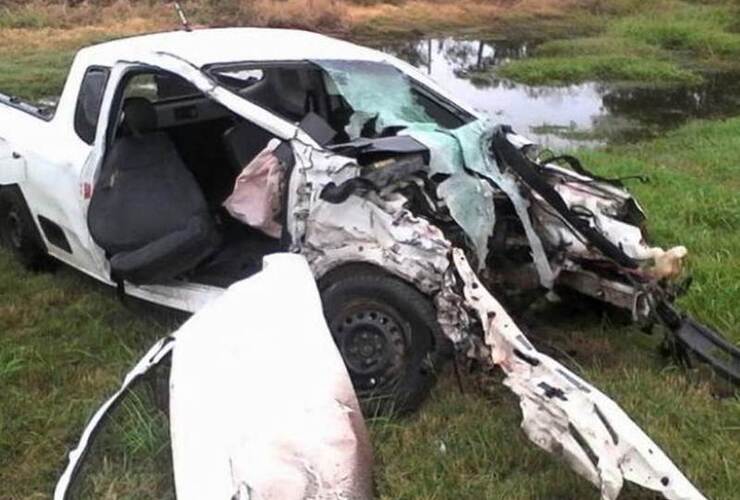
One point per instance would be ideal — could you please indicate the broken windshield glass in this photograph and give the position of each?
(381, 96)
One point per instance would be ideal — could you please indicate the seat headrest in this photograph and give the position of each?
(139, 115)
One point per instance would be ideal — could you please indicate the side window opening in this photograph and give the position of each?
(343, 100)
(89, 101)
(293, 91)
(158, 87)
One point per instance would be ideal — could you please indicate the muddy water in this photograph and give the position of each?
(588, 114)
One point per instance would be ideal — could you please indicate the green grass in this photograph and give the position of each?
(604, 68)
(35, 75)
(667, 41)
(693, 199)
(66, 341)
(34, 62)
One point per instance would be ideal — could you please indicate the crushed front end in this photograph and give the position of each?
(462, 225)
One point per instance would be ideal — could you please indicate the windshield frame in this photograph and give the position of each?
(459, 112)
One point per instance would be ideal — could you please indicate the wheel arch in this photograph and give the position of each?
(18, 190)
(352, 267)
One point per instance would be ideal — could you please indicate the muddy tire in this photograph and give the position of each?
(388, 336)
(19, 234)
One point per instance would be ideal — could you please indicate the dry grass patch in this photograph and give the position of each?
(320, 15)
(15, 40)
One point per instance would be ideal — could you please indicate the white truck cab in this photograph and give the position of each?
(174, 162)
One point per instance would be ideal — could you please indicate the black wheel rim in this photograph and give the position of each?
(373, 341)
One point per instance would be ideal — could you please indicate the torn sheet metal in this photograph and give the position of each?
(250, 415)
(374, 229)
(565, 415)
(381, 96)
(250, 411)
(603, 204)
(314, 169)
(378, 231)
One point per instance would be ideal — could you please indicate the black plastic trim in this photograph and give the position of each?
(54, 234)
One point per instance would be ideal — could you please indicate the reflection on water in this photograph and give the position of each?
(588, 114)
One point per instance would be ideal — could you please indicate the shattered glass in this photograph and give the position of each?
(381, 96)
(470, 202)
(446, 156)
(375, 91)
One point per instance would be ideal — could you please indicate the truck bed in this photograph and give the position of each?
(35, 109)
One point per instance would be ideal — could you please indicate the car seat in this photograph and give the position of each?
(147, 210)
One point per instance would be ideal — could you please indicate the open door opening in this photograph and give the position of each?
(172, 161)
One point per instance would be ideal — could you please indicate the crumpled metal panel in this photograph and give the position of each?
(313, 170)
(602, 203)
(251, 416)
(373, 229)
(378, 231)
(567, 416)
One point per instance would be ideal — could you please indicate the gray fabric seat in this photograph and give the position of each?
(147, 211)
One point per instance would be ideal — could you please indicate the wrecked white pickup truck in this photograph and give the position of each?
(302, 437)
(174, 162)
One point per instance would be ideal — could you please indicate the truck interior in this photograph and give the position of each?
(157, 207)
(174, 155)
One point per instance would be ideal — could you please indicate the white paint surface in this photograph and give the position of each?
(260, 399)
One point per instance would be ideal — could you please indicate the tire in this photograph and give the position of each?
(19, 233)
(388, 336)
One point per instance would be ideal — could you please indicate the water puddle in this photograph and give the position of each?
(585, 115)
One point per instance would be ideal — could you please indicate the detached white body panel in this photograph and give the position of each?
(261, 405)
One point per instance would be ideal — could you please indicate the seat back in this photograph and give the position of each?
(243, 142)
(145, 192)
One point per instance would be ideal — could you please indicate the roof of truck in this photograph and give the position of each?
(218, 45)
